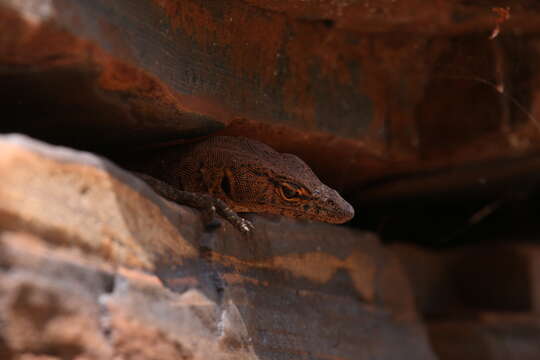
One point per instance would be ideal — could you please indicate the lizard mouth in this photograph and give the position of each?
(328, 211)
(328, 214)
(338, 214)
(343, 214)
(331, 208)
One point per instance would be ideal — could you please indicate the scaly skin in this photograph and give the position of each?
(249, 176)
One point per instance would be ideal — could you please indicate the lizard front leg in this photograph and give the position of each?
(204, 202)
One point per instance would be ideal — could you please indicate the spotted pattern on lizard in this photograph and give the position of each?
(249, 176)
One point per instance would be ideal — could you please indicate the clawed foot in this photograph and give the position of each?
(208, 205)
(245, 226)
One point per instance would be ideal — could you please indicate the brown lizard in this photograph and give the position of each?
(227, 175)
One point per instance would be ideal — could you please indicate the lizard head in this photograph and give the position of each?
(294, 199)
(256, 178)
(299, 193)
(282, 184)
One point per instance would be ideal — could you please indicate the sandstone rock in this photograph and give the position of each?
(474, 278)
(338, 83)
(491, 337)
(95, 265)
(63, 303)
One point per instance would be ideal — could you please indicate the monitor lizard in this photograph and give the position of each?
(228, 175)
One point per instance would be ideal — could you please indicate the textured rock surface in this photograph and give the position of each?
(383, 99)
(470, 279)
(66, 304)
(491, 337)
(372, 90)
(479, 302)
(69, 89)
(95, 265)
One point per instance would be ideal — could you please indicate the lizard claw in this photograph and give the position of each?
(243, 225)
(208, 205)
(246, 226)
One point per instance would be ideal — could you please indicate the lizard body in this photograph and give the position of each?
(249, 176)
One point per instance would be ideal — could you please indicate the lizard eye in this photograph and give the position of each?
(288, 193)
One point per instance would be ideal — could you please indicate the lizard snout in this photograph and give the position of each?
(337, 209)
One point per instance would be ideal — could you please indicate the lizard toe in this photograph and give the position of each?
(241, 224)
(246, 226)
